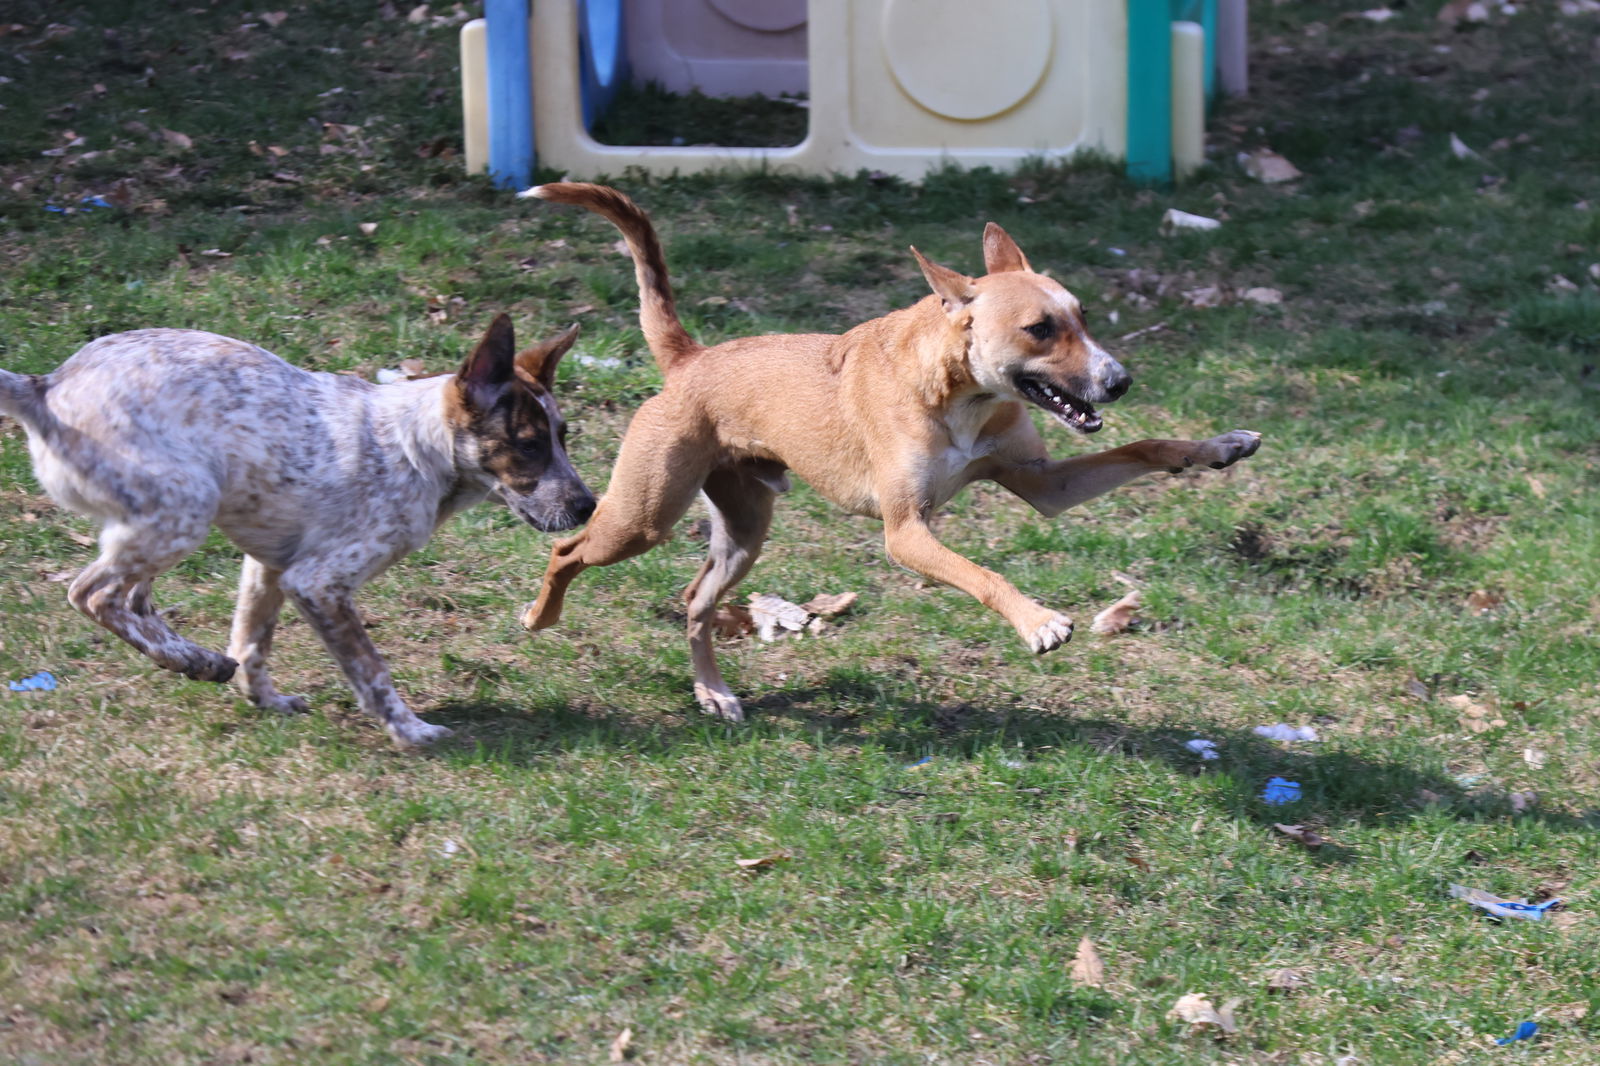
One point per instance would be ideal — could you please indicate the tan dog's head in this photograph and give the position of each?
(501, 407)
(1027, 338)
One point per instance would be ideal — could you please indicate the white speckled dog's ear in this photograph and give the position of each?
(1000, 252)
(491, 363)
(539, 362)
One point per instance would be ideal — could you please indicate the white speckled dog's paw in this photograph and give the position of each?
(417, 733)
(278, 703)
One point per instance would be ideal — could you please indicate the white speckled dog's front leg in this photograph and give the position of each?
(254, 619)
(330, 608)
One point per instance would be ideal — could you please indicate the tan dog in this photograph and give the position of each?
(889, 420)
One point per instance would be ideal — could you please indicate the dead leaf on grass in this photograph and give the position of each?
(1474, 717)
(1267, 166)
(732, 620)
(1301, 834)
(1534, 758)
(1523, 802)
(1459, 149)
(1118, 617)
(1206, 296)
(1458, 11)
(418, 14)
(1286, 980)
(1575, 1011)
(1263, 296)
(367, 228)
(1196, 1009)
(772, 614)
(377, 1004)
(764, 861)
(829, 604)
(1482, 601)
(1174, 221)
(620, 1046)
(274, 18)
(181, 141)
(1087, 968)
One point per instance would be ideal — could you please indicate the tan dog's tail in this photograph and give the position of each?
(658, 313)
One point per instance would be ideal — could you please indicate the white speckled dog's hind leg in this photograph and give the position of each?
(254, 619)
(326, 601)
(114, 590)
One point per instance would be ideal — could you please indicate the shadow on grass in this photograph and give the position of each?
(855, 709)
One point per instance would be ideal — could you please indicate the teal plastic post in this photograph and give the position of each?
(1150, 90)
(1208, 21)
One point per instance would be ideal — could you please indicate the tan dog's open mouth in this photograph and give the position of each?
(1069, 410)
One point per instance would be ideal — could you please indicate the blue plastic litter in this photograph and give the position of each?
(924, 761)
(1494, 905)
(1280, 791)
(1524, 1031)
(93, 201)
(43, 681)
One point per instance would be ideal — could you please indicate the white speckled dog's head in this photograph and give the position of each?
(505, 416)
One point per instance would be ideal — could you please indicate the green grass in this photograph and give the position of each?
(185, 880)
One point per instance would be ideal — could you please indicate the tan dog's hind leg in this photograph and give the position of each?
(255, 617)
(1052, 487)
(114, 590)
(741, 515)
(911, 543)
(659, 469)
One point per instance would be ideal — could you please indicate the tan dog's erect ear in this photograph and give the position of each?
(539, 362)
(490, 365)
(1000, 252)
(954, 288)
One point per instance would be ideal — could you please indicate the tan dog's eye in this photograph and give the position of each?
(1040, 330)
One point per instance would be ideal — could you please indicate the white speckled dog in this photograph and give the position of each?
(322, 480)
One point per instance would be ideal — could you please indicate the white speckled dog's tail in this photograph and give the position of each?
(21, 397)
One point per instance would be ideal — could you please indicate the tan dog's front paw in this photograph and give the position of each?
(1055, 631)
(533, 618)
(723, 704)
(1222, 451)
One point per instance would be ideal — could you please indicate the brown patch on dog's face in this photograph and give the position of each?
(502, 401)
(1028, 337)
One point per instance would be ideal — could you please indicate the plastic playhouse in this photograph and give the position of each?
(898, 86)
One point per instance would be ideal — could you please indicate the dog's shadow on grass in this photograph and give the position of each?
(1336, 784)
